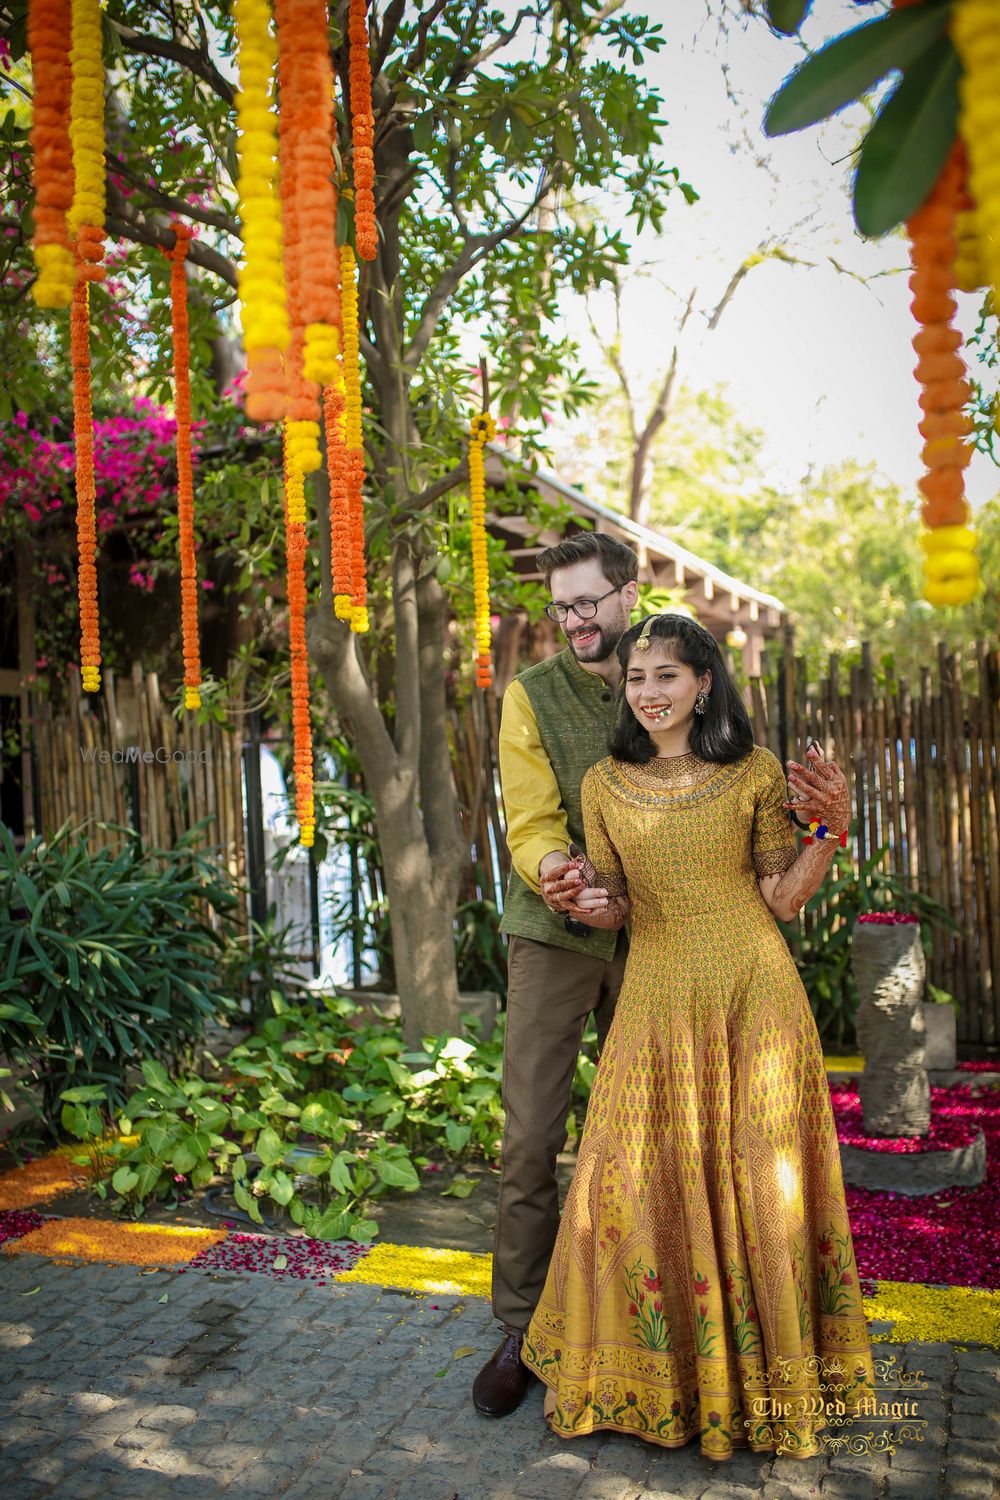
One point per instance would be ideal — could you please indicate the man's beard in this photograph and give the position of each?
(601, 647)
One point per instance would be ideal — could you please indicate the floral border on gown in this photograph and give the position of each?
(703, 1283)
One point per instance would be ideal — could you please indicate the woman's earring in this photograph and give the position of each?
(701, 703)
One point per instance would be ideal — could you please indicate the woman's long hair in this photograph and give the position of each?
(722, 733)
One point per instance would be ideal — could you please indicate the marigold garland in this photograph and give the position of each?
(977, 39)
(482, 430)
(340, 513)
(185, 479)
(354, 456)
(306, 81)
(49, 23)
(362, 132)
(951, 568)
(262, 276)
(85, 220)
(86, 490)
(295, 555)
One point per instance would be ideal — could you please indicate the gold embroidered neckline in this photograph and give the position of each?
(677, 780)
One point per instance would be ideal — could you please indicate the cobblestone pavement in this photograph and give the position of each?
(196, 1385)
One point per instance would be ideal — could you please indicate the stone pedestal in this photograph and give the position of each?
(940, 1045)
(918, 1173)
(888, 965)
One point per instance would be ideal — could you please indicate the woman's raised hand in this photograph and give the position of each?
(821, 793)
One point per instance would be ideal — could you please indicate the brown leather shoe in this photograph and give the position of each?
(502, 1383)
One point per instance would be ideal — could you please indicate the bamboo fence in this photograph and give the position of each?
(121, 758)
(923, 759)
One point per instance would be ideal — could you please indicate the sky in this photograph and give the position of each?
(820, 359)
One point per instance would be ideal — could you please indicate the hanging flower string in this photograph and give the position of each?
(295, 554)
(86, 215)
(86, 490)
(362, 132)
(951, 568)
(482, 430)
(262, 274)
(85, 223)
(354, 452)
(308, 209)
(49, 23)
(340, 514)
(974, 32)
(185, 480)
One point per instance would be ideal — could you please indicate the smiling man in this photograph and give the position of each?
(555, 724)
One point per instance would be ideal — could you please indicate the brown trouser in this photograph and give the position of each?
(550, 993)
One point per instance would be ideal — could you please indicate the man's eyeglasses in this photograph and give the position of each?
(584, 609)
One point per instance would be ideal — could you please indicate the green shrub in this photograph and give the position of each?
(313, 1114)
(106, 957)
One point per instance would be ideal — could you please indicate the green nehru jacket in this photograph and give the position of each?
(574, 711)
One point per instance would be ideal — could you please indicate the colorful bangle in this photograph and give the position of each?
(819, 831)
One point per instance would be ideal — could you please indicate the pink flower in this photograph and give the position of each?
(700, 1285)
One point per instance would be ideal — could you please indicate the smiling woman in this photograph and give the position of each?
(707, 1207)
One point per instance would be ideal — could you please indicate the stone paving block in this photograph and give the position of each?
(139, 1439)
(848, 1486)
(908, 1486)
(777, 1489)
(959, 1481)
(168, 1418)
(720, 1490)
(557, 1476)
(980, 1424)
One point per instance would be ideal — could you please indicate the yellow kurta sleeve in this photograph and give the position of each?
(600, 850)
(536, 818)
(775, 846)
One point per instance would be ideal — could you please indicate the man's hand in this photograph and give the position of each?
(560, 879)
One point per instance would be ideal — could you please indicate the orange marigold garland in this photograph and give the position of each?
(354, 455)
(306, 77)
(295, 554)
(86, 491)
(85, 220)
(262, 275)
(48, 27)
(185, 479)
(951, 569)
(340, 514)
(362, 132)
(482, 430)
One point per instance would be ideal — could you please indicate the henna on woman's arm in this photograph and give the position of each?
(801, 880)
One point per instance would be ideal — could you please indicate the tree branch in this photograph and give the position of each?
(198, 63)
(127, 224)
(472, 252)
(213, 218)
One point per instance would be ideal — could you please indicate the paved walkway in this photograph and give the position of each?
(122, 1383)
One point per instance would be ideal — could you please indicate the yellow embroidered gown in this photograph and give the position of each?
(703, 1282)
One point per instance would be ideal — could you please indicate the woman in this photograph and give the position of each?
(703, 1282)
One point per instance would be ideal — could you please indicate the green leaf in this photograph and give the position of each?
(124, 1180)
(787, 15)
(906, 148)
(270, 1146)
(282, 1189)
(280, 1262)
(460, 1188)
(185, 1158)
(852, 64)
(457, 1135)
(155, 1074)
(397, 1171)
(423, 132)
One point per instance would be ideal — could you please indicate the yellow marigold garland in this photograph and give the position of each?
(262, 274)
(482, 430)
(49, 24)
(977, 37)
(295, 554)
(86, 490)
(353, 438)
(340, 513)
(185, 475)
(85, 220)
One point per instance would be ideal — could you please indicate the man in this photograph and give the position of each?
(554, 725)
